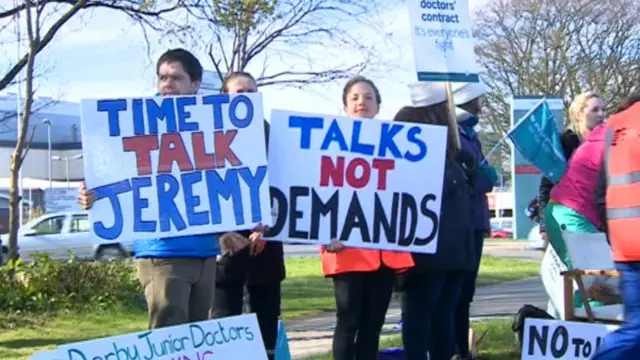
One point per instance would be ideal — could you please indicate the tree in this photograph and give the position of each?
(499, 158)
(240, 33)
(556, 47)
(43, 19)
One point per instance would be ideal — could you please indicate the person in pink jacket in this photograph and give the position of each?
(572, 206)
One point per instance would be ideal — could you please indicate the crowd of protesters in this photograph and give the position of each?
(194, 278)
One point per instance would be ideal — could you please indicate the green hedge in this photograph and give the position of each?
(45, 285)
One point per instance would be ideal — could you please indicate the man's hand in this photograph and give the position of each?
(86, 197)
(257, 244)
(335, 246)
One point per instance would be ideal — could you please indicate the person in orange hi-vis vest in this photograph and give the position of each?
(363, 279)
(619, 200)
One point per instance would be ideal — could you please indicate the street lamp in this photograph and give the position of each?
(66, 160)
(48, 123)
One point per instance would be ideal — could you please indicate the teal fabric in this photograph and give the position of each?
(489, 173)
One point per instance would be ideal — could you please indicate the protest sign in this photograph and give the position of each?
(551, 268)
(442, 40)
(172, 166)
(235, 337)
(46, 355)
(553, 339)
(61, 200)
(370, 183)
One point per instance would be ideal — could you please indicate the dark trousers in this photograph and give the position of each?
(624, 343)
(462, 313)
(362, 300)
(264, 301)
(428, 308)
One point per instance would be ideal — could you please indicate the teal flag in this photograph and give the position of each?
(537, 137)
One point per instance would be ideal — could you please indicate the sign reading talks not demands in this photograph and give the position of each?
(370, 183)
(172, 166)
(235, 337)
(442, 40)
(553, 339)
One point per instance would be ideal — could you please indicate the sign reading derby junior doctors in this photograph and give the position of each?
(236, 337)
(172, 166)
(370, 183)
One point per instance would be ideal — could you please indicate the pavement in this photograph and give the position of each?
(309, 337)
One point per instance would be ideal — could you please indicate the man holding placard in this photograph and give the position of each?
(177, 272)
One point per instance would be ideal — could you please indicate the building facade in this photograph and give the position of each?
(53, 125)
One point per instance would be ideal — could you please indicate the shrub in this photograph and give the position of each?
(45, 285)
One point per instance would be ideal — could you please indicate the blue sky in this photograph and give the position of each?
(100, 54)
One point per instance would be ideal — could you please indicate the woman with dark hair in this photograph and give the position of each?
(258, 266)
(432, 287)
(363, 279)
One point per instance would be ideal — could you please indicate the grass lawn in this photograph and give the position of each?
(304, 293)
(498, 343)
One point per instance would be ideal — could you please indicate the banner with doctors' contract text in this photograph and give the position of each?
(369, 183)
(442, 40)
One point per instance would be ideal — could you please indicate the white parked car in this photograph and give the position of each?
(61, 235)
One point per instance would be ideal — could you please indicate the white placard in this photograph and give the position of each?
(235, 337)
(175, 166)
(553, 339)
(61, 200)
(442, 40)
(370, 183)
(551, 268)
(46, 355)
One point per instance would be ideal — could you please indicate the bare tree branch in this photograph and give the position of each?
(140, 12)
(240, 35)
(556, 47)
